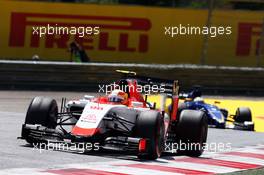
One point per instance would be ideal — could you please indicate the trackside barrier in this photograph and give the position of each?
(31, 75)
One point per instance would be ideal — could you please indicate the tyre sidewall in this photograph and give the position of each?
(150, 125)
(42, 111)
(192, 131)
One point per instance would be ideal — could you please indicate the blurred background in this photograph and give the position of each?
(132, 31)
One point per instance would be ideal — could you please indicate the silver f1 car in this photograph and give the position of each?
(130, 124)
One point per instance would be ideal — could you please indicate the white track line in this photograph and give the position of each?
(24, 171)
(122, 169)
(161, 166)
(196, 167)
(240, 159)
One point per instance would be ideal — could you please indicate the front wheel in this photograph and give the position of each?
(243, 114)
(192, 132)
(41, 111)
(150, 125)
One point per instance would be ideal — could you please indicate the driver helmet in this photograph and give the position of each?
(118, 96)
(199, 99)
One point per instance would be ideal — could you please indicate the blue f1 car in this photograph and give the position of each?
(217, 117)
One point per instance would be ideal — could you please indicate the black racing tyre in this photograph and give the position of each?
(42, 111)
(243, 114)
(150, 125)
(192, 132)
(224, 112)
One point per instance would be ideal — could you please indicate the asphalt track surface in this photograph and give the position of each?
(16, 153)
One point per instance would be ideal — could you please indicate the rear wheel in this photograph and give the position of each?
(243, 114)
(42, 111)
(192, 132)
(150, 125)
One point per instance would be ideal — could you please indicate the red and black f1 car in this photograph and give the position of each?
(135, 126)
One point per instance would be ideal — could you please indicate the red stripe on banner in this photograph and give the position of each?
(74, 171)
(243, 154)
(167, 169)
(224, 163)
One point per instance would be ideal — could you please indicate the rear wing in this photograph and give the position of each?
(168, 87)
(164, 86)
